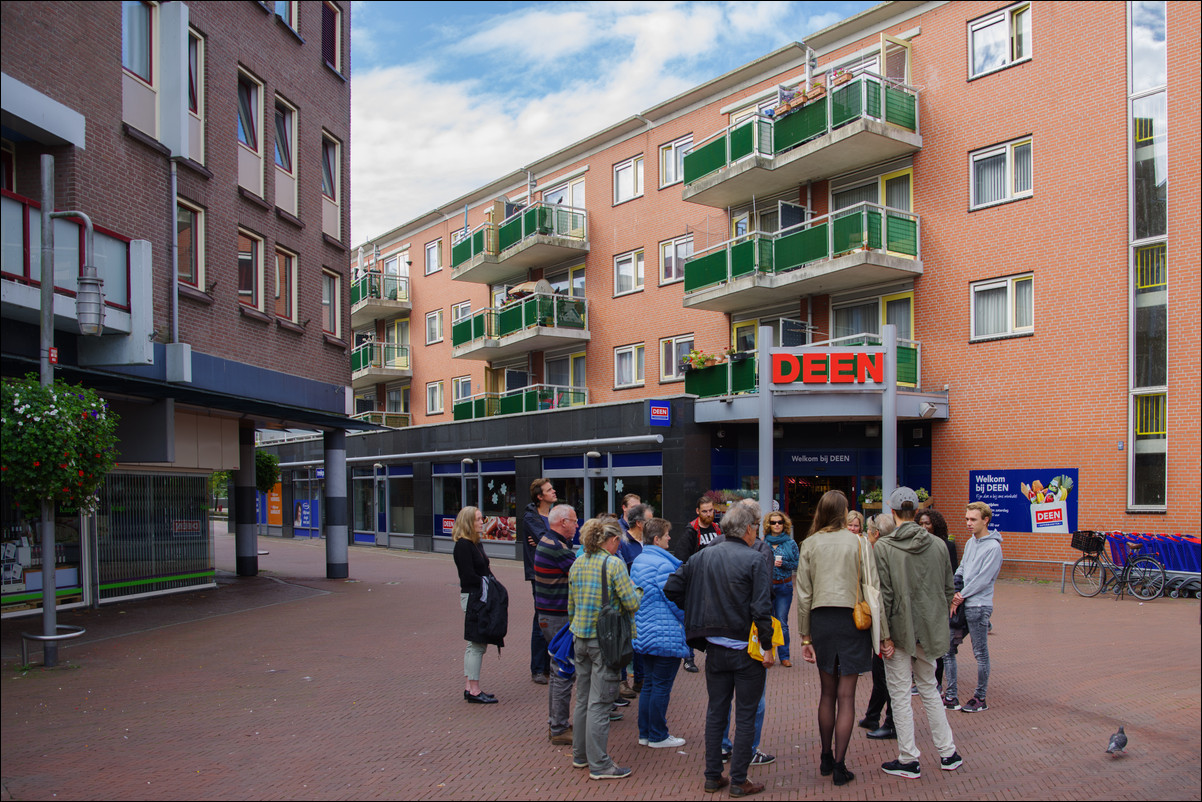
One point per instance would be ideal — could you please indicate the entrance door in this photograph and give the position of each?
(802, 494)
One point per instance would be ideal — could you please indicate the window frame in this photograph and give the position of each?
(670, 369)
(257, 267)
(431, 409)
(336, 34)
(673, 244)
(1012, 329)
(434, 246)
(290, 257)
(1008, 149)
(1006, 16)
(331, 167)
(457, 386)
(198, 244)
(290, 19)
(440, 335)
(634, 163)
(256, 111)
(674, 152)
(459, 312)
(572, 360)
(638, 264)
(152, 28)
(331, 302)
(197, 92)
(290, 135)
(637, 354)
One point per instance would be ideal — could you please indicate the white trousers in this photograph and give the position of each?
(899, 669)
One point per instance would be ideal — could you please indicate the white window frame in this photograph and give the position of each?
(331, 301)
(1012, 327)
(435, 402)
(1007, 17)
(635, 165)
(434, 318)
(152, 46)
(1007, 149)
(636, 352)
(671, 160)
(460, 311)
(291, 316)
(434, 249)
(669, 364)
(257, 254)
(461, 389)
(672, 246)
(290, 137)
(198, 245)
(252, 180)
(637, 266)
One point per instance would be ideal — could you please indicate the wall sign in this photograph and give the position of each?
(1037, 501)
(659, 413)
(816, 368)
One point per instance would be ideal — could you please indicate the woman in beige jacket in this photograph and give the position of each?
(827, 575)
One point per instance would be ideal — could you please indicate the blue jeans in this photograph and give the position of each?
(540, 661)
(978, 630)
(782, 600)
(731, 674)
(659, 674)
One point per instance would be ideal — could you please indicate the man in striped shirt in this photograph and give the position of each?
(553, 558)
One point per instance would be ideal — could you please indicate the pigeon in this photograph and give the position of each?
(1118, 742)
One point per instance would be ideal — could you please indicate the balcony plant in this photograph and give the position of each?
(839, 77)
(59, 442)
(696, 359)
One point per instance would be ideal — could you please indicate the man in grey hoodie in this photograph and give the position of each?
(916, 590)
(979, 567)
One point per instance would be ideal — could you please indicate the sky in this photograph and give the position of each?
(448, 96)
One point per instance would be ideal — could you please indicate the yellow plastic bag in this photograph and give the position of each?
(753, 641)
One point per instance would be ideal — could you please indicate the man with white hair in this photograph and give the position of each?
(553, 558)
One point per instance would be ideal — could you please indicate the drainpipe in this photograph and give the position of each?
(174, 266)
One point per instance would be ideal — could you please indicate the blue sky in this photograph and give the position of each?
(448, 96)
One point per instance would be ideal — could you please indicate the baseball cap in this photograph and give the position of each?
(899, 497)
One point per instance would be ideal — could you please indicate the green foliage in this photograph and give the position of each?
(267, 471)
(218, 482)
(58, 443)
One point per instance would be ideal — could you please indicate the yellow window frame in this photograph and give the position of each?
(736, 328)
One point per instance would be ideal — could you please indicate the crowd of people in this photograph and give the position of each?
(727, 590)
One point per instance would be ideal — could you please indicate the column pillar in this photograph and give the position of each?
(336, 521)
(246, 539)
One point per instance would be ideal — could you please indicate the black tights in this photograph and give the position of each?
(837, 724)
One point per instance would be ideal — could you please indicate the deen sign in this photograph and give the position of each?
(829, 367)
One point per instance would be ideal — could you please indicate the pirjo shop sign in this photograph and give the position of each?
(828, 368)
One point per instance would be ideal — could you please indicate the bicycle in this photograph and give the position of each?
(1142, 575)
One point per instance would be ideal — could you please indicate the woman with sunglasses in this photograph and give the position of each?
(778, 532)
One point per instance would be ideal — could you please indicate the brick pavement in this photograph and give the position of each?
(291, 686)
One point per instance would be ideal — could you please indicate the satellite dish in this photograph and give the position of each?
(542, 286)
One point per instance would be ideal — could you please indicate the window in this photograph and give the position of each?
(397, 399)
(331, 303)
(434, 327)
(8, 165)
(434, 398)
(331, 186)
(743, 335)
(628, 179)
(671, 160)
(331, 35)
(628, 272)
(286, 11)
(460, 311)
(189, 223)
(329, 168)
(250, 269)
(999, 39)
(250, 134)
(1003, 307)
(1001, 173)
(672, 352)
(628, 366)
(196, 97)
(566, 371)
(285, 156)
(285, 284)
(137, 39)
(869, 315)
(672, 256)
(570, 282)
(433, 256)
(569, 194)
(461, 389)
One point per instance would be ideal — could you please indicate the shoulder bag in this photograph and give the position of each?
(613, 628)
(867, 612)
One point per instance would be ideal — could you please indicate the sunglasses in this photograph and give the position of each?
(776, 523)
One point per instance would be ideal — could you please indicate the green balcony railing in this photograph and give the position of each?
(866, 96)
(546, 219)
(526, 399)
(862, 226)
(533, 311)
(380, 355)
(379, 285)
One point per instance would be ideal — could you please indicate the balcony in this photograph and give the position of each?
(535, 323)
(378, 295)
(526, 399)
(859, 246)
(372, 363)
(866, 121)
(393, 420)
(539, 235)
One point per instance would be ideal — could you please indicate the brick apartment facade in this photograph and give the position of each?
(229, 125)
(1038, 259)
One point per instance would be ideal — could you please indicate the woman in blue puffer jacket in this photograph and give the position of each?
(659, 634)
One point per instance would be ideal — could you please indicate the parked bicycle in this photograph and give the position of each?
(1141, 575)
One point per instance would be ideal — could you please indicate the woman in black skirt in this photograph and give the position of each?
(827, 574)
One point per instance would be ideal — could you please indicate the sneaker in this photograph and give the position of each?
(762, 759)
(614, 772)
(725, 755)
(951, 763)
(577, 765)
(951, 703)
(671, 742)
(690, 666)
(974, 705)
(614, 715)
(621, 703)
(644, 741)
(911, 771)
(539, 679)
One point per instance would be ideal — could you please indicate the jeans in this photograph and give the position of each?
(540, 662)
(559, 704)
(880, 694)
(782, 600)
(596, 690)
(473, 655)
(731, 673)
(728, 745)
(978, 630)
(659, 674)
(899, 669)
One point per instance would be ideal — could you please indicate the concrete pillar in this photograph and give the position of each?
(246, 540)
(336, 521)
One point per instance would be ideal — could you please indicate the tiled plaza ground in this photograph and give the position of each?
(291, 686)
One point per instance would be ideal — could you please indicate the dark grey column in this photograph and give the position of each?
(246, 540)
(337, 563)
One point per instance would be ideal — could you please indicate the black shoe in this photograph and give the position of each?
(842, 775)
(620, 702)
(690, 666)
(482, 695)
(826, 764)
(951, 763)
(910, 771)
(883, 734)
(869, 723)
(540, 679)
(759, 758)
(480, 698)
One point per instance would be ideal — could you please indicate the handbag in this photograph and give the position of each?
(613, 628)
(870, 596)
(753, 640)
(862, 612)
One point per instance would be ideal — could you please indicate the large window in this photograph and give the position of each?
(672, 352)
(331, 186)
(196, 97)
(189, 222)
(1003, 307)
(250, 133)
(460, 311)
(434, 327)
(285, 156)
(434, 402)
(671, 160)
(331, 303)
(628, 179)
(250, 269)
(628, 272)
(628, 366)
(566, 371)
(331, 35)
(285, 284)
(999, 39)
(672, 256)
(433, 256)
(1001, 173)
(137, 39)
(461, 389)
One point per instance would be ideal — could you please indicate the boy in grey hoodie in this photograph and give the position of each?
(979, 569)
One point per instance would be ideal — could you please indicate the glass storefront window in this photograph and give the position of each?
(400, 505)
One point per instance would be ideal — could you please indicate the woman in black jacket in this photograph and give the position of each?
(472, 563)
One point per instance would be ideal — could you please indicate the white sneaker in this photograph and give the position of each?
(671, 742)
(644, 741)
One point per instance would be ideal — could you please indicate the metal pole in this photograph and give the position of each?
(889, 417)
(49, 582)
(766, 419)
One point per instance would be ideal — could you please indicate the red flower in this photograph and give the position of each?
(81, 473)
(36, 463)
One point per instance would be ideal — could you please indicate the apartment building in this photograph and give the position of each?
(208, 142)
(989, 182)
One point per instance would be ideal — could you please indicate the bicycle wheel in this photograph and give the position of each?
(1087, 576)
(1145, 578)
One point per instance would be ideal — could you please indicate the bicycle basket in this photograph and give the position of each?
(1088, 541)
